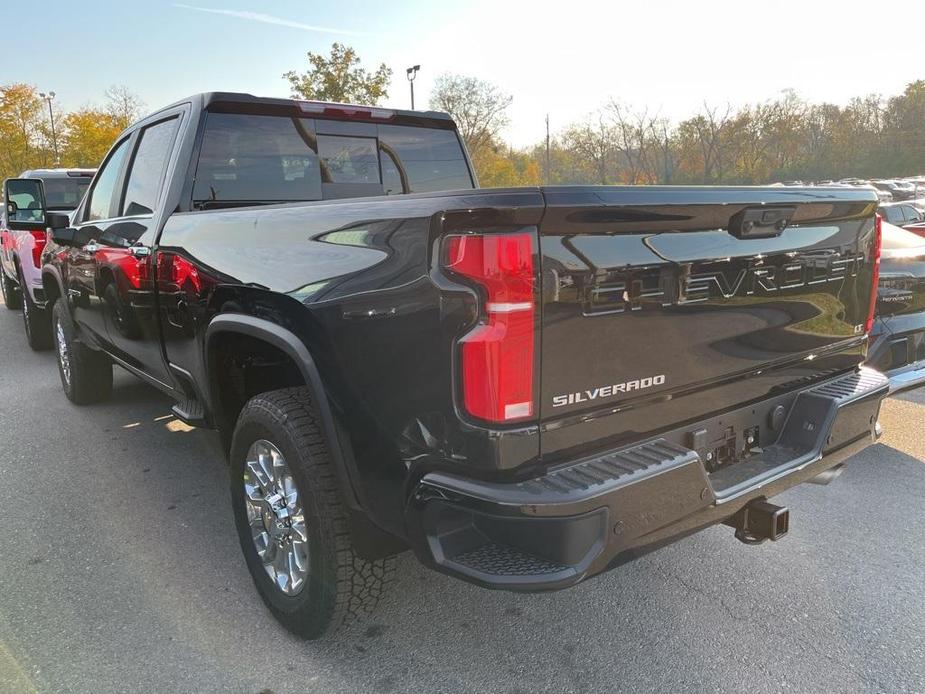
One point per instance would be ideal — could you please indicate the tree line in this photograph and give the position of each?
(80, 138)
(784, 138)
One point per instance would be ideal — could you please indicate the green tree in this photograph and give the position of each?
(340, 78)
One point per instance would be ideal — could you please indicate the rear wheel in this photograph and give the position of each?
(292, 524)
(11, 296)
(35, 320)
(86, 374)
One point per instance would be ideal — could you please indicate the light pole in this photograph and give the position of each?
(411, 73)
(547, 150)
(49, 97)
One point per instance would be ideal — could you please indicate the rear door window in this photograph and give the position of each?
(251, 159)
(148, 168)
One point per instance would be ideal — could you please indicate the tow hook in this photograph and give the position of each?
(760, 520)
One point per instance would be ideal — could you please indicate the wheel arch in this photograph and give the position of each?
(17, 265)
(52, 283)
(289, 344)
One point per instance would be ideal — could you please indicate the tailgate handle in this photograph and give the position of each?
(760, 222)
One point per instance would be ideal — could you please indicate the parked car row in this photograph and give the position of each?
(901, 189)
(905, 215)
(888, 190)
(526, 387)
(898, 336)
(21, 249)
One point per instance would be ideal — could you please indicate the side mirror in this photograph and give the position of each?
(25, 203)
(69, 236)
(57, 220)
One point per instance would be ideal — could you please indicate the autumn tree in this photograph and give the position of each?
(478, 107)
(593, 142)
(23, 131)
(904, 129)
(340, 78)
(87, 134)
(498, 168)
(708, 130)
(123, 105)
(635, 139)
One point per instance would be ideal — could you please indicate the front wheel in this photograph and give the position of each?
(292, 524)
(35, 321)
(86, 374)
(11, 296)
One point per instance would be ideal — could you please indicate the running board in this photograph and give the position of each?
(189, 411)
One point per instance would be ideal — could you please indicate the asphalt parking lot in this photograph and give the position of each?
(120, 572)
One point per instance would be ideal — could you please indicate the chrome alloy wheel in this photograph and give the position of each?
(276, 517)
(64, 358)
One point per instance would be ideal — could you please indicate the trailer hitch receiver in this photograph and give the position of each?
(760, 520)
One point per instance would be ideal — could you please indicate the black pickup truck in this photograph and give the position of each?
(526, 387)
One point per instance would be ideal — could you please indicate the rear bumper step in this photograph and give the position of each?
(577, 520)
(911, 376)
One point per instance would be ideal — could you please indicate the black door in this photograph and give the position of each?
(97, 215)
(124, 259)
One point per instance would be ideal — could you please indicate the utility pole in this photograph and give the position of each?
(49, 97)
(548, 173)
(411, 73)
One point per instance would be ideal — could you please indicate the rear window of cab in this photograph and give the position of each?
(250, 159)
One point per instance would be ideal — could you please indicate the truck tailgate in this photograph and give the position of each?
(663, 305)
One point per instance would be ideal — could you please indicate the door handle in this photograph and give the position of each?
(92, 247)
(139, 251)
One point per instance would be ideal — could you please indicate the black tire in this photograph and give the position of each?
(86, 374)
(340, 586)
(35, 321)
(12, 299)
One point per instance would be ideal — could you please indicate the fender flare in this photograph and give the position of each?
(287, 342)
(55, 274)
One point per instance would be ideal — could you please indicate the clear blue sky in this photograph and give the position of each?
(565, 58)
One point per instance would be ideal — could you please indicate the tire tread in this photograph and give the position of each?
(358, 583)
(91, 370)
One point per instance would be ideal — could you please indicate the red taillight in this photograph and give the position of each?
(38, 245)
(878, 244)
(497, 356)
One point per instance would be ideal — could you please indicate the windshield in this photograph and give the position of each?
(65, 193)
